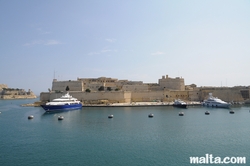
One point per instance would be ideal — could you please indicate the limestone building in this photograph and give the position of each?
(112, 90)
(172, 83)
(93, 84)
(14, 93)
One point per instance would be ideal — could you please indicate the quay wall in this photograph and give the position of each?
(226, 94)
(92, 97)
(145, 96)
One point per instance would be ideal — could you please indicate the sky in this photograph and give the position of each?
(205, 42)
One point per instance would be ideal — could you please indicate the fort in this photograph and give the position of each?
(15, 93)
(105, 90)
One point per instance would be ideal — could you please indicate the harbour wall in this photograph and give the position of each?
(110, 90)
(92, 97)
(102, 97)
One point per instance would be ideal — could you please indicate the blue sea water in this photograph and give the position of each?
(88, 137)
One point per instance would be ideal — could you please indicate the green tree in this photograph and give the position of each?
(88, 90)
(101, 88)
(109, 88)
(67, 88)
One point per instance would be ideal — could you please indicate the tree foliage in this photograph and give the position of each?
(67, 88)
(88, 90)
(101, 88)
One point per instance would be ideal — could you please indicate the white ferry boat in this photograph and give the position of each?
(215, 102)
(63, 103)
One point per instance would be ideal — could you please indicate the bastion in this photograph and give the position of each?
(15, 93)
(104, 90)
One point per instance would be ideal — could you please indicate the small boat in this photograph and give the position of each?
(179, 103)
(30, 117)
(151, 115)
(231, 111)
(110, 116)
(181, 113)
(215, 102)
(207, 113)
(66, 102)
(60, 117)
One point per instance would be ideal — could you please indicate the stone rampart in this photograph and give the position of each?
(61, 85)
(3, 86)
(172, 83)
(85, 97)
(147, 96)
(167, 89)
(135, 88)
(18, 96)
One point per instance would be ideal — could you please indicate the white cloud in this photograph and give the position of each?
(93, 53)
(111, 40)
(106, 50)
(42, 32)
(52, 42)
(158, 53)
(102, 52)
(36, 42)
(42, 42)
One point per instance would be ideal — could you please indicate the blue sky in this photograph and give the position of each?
(206, 42)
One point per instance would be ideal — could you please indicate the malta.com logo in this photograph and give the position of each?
(209, 159)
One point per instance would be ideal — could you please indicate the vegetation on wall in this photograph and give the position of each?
(88, 90)
(67, 88)
(101, 88)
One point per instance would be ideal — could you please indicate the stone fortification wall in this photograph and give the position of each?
(45, 96)
(172, 83)
(194, 95)
(11, 93)
(154, 87)
(147, 96)
(92, 97)
(165, 96)
(15, 92)
(61, 85)
(135, 87)
(2, 86)
(18, 96)
(94, 86)
(167, 89)
(226, 94)
(183, 95)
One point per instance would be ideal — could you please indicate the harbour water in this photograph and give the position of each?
(88, 137)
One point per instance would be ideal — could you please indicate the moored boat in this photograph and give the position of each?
(215, 102)
(179, 103)
(66, 102)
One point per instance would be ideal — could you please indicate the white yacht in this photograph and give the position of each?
(62, 103)
(215, 102)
